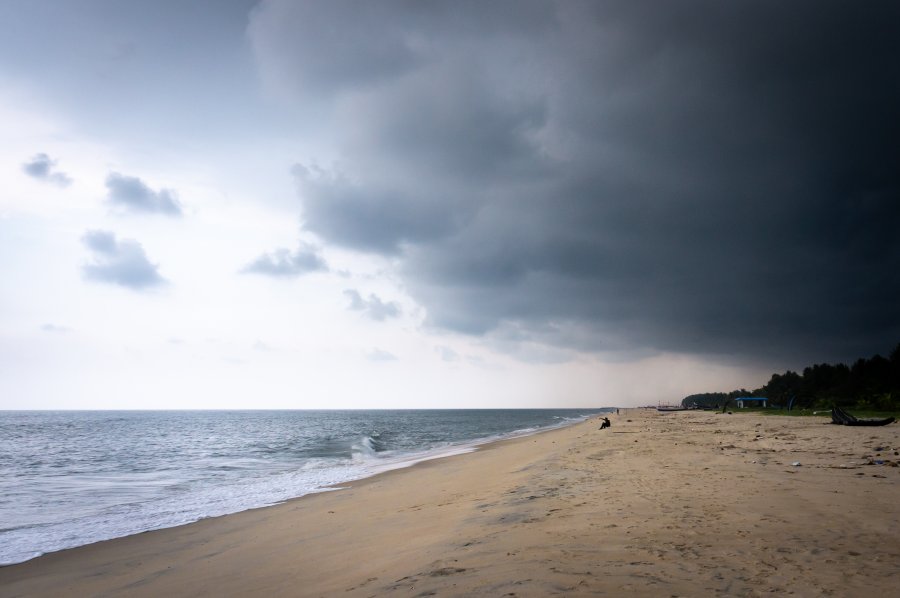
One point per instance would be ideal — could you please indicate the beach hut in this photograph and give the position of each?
(745, 402)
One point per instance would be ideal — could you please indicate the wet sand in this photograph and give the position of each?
(678, 504)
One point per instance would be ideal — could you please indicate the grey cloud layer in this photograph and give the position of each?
(624, 176)
(121, 262)
(132, 194)
(43, 168)
(148, 72)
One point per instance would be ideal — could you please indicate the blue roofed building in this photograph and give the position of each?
(744, 402)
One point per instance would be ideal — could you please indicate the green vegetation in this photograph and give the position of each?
(868, 386)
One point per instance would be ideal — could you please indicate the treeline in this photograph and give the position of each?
(872, 383)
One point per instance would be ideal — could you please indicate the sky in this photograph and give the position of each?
(401, 204)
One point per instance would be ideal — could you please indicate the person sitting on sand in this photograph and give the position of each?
(605, 423)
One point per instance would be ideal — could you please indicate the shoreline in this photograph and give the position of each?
(683, 503)
(340, 475)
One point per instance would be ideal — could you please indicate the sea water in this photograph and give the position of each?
(69, 478)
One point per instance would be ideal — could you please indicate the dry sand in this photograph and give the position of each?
(680, 504)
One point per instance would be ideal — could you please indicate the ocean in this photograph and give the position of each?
(69, 478)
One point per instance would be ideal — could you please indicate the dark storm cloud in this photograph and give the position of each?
(132, 194)
(121, 262)
(366, 219)
(285, 263)
(373, 307)
(618, 176)
(42, 168)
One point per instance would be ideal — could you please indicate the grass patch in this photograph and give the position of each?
(822, 412)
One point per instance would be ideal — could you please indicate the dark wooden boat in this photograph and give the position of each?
(842, 418)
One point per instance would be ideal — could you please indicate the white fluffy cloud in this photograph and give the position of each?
(132, 194)
(43, 168)
(121, 262)
(372, 307)
(286, 263)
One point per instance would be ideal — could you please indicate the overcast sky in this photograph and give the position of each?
(274, 203)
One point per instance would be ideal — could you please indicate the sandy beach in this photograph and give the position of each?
(679, 504)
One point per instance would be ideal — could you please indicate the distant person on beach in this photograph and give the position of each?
(605, 423)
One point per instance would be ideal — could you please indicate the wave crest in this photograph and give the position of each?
(368, 447)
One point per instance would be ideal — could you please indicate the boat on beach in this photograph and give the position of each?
(670, 408)
(842, 418)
